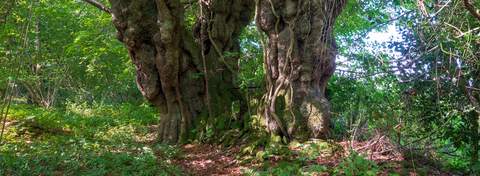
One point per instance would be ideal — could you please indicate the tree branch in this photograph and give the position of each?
(3, 18)
(471, 10)
(470, 31)
(99, 6)
(388, 71)
(379, 24)
(348, 71)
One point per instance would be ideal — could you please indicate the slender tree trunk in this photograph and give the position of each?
(298, 64)
(8, 57)
(167, 57)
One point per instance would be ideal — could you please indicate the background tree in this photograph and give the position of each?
(424, 92)
(54, 44)
(446, 76)
(5, 10)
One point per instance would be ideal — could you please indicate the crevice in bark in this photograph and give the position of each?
(287, 61)
(206, 81)
(166, 56)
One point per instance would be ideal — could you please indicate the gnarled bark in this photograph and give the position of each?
(166, 56)
(299, 62)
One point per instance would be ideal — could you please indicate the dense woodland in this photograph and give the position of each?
(239, 87)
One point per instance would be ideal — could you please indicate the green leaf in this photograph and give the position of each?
(476, 166)
(210, 134)
(450, 44)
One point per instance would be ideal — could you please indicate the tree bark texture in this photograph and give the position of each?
(299, 62)
(167, 57)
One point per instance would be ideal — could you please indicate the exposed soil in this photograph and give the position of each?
(204, 159)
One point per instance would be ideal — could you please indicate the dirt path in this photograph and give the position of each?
(206, 160)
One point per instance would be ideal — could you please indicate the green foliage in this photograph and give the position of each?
(296, 167)
(357, 165)
(168, 151)
(65, 59)
(195, 75)
(414, 89)
(251, 71)
(84, 140)
(309, 153)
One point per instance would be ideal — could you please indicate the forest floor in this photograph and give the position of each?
(205, 159)
(102, 141)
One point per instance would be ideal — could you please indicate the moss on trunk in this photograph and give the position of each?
(166, 56)
(298, 64)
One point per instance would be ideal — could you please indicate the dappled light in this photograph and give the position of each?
(239, 87)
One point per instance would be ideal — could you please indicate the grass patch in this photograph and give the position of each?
(83, 140)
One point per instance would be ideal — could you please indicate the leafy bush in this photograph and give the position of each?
(295, 167)
(357, 165)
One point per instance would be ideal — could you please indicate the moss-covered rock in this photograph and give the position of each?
(274, 140)
(294, 144)
(259, 156)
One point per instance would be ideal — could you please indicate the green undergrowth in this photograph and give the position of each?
(84, 140)
(295, 158)
(299, 159)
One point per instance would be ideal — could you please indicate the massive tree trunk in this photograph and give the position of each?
(168, 57)
(299, 62)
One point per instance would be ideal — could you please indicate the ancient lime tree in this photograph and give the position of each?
(167, 49)
(299, 59)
